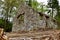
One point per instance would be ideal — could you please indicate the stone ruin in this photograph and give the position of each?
(28, 19)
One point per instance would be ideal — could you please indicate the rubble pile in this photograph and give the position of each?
(2, 36)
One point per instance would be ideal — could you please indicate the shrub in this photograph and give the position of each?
(7, 26)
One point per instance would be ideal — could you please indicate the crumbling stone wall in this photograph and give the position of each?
(31, 19)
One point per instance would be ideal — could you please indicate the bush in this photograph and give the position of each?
(7, 26)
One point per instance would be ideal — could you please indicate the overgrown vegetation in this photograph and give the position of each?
(8, 27)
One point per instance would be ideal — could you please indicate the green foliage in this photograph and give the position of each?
(10, 7)
(7, 27)
(9, 10)
(42, 8)
(35, 4)
(54, 4)
(30, 2)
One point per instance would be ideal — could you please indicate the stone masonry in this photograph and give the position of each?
(28, 19)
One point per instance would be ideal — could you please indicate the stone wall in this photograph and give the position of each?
(32, 19)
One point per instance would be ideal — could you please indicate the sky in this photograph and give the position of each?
(45, 1)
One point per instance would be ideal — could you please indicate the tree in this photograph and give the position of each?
(37, 6)
(9, 9)
(53, 4)
(42, 8)
(33, 3)
(30, 3)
